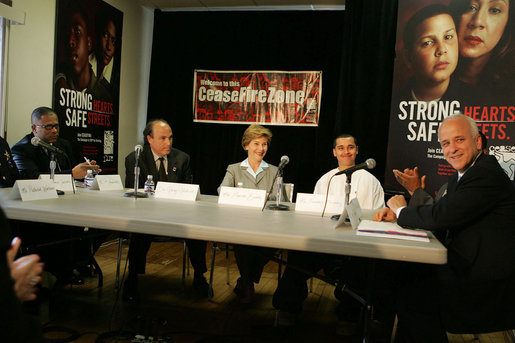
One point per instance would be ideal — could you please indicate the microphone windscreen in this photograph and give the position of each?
(35, 141)
(371, 163)
(285, 159)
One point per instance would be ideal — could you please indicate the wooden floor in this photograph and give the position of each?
(176, 314)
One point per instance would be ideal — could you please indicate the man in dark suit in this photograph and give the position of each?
(34, 160)
(168, 164)
(475, 291)
(8, 171)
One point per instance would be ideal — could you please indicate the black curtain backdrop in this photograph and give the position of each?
(354, 49)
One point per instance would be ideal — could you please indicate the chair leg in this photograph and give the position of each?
(211, 272)
(118, 260)
(228, 279)
(187, 261)
(98, 270)
(394, 329)
(184, 263)
(94, 263)
(280, 265)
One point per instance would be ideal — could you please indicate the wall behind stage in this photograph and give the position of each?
(354, 49)
(30, 69)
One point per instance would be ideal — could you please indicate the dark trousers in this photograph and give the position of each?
(435, 299)
(418, 305)
(140, 244)
(372, 280)
(251, 261)
(292, 289)
(60, 247)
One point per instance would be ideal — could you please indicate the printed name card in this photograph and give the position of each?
(108, 183)
(62, 182)
(177, 191)
(33, 190)
(314, 203)
(242, 197)
(351, 213)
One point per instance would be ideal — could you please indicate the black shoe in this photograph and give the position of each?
(285, 319)
(239, 289)
(71, 279)
(86, 270)
(130, 291)
(201, 286)
(271, 332)
(245, 293)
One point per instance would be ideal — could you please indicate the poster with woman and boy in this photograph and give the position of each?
(452, 56)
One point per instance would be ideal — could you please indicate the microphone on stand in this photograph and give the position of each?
(279, 177)
(36, 141)
(284, 161)
(138, 149)
(135, 193)
(368, 164)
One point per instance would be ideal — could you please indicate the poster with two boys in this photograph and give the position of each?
(87, 79)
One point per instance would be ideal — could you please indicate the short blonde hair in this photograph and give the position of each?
(255, 131)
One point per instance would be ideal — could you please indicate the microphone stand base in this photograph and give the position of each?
(279, 207)
(137, 195)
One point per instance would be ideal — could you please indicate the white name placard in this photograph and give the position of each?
(242, 197)
(314, 203)
(33, 190)
(108, 183)
(177, 191)
(62, 182)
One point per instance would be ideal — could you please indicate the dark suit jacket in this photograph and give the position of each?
(479, 212)
(178, 167)
(421, 197)
(33, 160)
(8, 171)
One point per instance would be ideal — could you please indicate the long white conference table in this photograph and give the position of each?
(205, 219)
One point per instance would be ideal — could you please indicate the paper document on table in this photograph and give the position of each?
(390, 230)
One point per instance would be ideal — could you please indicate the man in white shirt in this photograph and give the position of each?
(292, 288)
(364, 185)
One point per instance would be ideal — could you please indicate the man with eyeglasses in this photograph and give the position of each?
(34, 160)
(38, 237)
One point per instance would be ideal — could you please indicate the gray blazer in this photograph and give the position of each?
(236, 173)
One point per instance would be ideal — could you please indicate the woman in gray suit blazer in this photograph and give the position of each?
(253, 173)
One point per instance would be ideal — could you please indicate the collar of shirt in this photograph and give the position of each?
(156, 158)
(246, 164)
(460, 174)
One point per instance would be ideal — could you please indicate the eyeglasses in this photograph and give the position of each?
(49, 126)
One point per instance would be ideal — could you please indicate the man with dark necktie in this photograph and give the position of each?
(167, 164)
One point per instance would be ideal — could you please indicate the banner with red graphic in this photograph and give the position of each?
(265, 97)
(452, 56)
